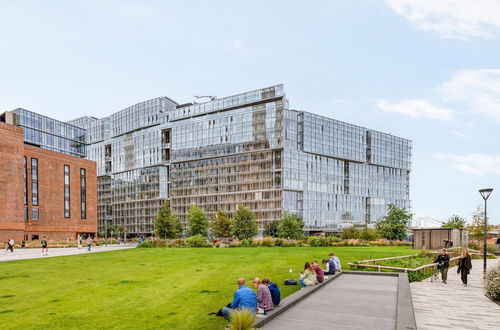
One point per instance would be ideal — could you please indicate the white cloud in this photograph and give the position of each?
(473, 163)
(461, 19)
(479, 89)
(460, 134)
(416, 108)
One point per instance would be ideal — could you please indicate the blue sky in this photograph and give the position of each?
(425, 70)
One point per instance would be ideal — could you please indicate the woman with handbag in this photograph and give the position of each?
(464, 266)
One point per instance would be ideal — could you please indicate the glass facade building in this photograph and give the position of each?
(50, 134)
(245, 149)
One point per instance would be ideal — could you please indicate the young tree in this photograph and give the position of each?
(454, 222)
(221, 226)
(271, 228)
(244, 225)
(290, 226)
(197, 222)
(119, 230)
(394, 225)
(476, 229)
(167, 225)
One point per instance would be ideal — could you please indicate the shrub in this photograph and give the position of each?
(291, 243)
(267, 241)
(313, 241)
(246, 243)
(255, 242)
(145, 244)
(351, 233)
(197, 241)
(278, 242)
(352, 242)
(368, 234)
(490, 248)
(242, 319)
(492, 283)
(235, 244)
(474, 246)
(177, 243)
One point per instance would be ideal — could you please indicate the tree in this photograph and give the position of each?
(221, 226)
(271, 228)
(244, 226)
(290, 226)
(119, 230)
(454, 222)
(197, 222)
(394, 225)
(476, 229)
(167, 225)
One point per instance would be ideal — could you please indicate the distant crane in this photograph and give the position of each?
(211, 97)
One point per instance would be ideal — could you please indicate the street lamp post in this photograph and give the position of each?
(485, 193)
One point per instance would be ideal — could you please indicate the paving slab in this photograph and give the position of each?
(36, 253)
(453, 306)
(349, 302)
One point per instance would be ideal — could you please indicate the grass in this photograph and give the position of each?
(148, 288)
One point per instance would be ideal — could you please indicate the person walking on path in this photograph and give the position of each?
(464, 266)
(89, 243)
(10, 245)
(45, 248)
(443, 261)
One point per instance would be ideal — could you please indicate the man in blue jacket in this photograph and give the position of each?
(243, 298)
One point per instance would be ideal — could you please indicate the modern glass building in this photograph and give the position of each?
(50, 134)
(245, 149)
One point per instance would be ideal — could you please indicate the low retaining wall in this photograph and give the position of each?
(405, 315)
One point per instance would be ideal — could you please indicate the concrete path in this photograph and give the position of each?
(349, 302)
(34, 253)
(453, 306)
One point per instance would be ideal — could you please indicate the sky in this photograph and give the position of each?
(424, 70)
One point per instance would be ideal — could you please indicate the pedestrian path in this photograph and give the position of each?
(35, 253)
(453, 306)
(349, 302)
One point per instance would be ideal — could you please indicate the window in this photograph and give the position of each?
(25, 174)
(25, 213)
(34, 181)
(66, 191)
(83, 193)
(34, 213)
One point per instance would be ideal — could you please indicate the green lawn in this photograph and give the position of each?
(148, 288)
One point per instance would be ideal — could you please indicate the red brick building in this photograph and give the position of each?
(44, 192)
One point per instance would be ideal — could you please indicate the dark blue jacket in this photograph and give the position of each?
(244, 298)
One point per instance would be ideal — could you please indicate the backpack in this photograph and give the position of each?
(275, 293)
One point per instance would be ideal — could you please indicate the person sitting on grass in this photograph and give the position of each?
(308, 277)
(320, 274)
(264, 299)
(243, 298)
(330, 265)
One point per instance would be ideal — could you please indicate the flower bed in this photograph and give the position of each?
(270, 242)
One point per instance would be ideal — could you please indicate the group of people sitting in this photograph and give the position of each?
(313, 274)
(268, 295)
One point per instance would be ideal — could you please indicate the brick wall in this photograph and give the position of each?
(11, 183)
(52, 222)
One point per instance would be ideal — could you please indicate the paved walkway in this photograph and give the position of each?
(453, 306)
(35, 253)
(349, 302)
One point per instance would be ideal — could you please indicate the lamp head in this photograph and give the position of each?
(485, 193)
